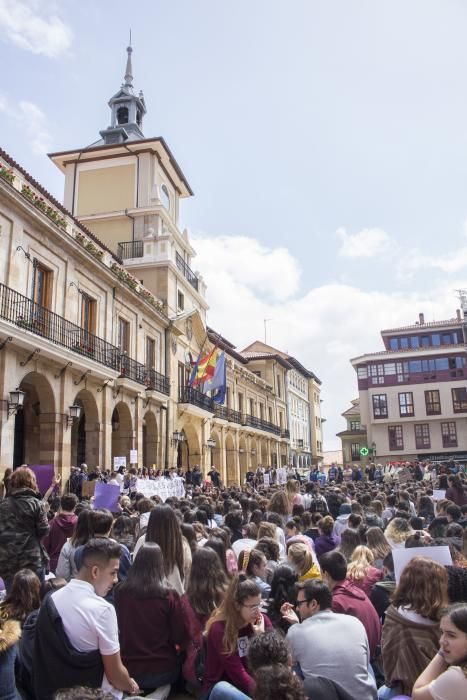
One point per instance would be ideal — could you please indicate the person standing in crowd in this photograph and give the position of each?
(144, 604)
(23, 524)
(66, 567)
(229, 629)
(456, 492)
(324, 637)
(77, 633)
(61, 528)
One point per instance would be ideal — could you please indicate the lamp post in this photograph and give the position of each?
(16, 401)
(74, 414)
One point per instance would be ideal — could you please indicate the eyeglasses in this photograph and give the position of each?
(256, 606)
(300, 602)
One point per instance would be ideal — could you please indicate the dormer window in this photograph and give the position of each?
(122, 115)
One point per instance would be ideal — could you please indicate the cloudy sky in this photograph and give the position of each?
(325, 141)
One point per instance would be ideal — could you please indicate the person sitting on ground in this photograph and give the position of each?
(397, 532)
(270, 548)
(360, 569)
(341, 522)
(300, 559)
(248, 541)
(22, 598)
(411, 626)
(253, 564)
(206, 589)
(123, 531)
(282, 591)
(380, 547)
(76, 630)
(381, 592)
(229, 629)
(10, 633)
(350, 540)
(144, 603)
(445, 677)
(456, 491)
(61, 528)
(347, 598)
(326, 541)
(324, 636)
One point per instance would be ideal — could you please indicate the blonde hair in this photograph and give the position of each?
(301, 558)
(398, 530)
(361, 561)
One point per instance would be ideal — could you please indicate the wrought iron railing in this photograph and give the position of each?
(189, 395)
(228, 414)
(260, 424)
(285, 433)
(26, 314)
(130, 249)
(187, 271)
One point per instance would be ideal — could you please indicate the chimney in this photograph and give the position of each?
(458, 315)
(421, 318)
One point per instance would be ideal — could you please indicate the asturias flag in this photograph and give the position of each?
(204, 368)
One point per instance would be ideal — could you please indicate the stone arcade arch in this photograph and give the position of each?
(243, 459)
(230, 460)
(38, 429)
(150, 440)
(189, 451)
(85, 432)
(122, 432)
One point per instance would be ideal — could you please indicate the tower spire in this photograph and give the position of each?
(129, 69)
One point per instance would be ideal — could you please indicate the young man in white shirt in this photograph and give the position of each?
(89, 622)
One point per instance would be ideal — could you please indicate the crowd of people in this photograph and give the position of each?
(255, 591)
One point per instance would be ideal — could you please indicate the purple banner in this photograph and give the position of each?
(106, 496)
(44, 475)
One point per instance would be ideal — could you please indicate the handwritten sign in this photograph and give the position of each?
(119, 462)
(164, 488)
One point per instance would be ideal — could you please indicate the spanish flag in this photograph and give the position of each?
(204, 368)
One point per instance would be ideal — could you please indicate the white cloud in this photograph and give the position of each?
(33, 120)
(323, 328)
(367, 243)
(267, 272)
(414, 261)
(35, 26)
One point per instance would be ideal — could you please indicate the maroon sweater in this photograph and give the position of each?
(61, 528)
(149, 630)
(348, 599)
(232, 667)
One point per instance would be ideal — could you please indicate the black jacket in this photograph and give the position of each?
(56, 663)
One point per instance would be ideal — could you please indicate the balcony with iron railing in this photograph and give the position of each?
(28, 315)
(285, 433)
(260, 424)
(187, 271)
(227, 414)
(187, 394)
(130, 249)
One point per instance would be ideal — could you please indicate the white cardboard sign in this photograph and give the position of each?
(133, 456)
(119, 462)
(402, 557)
(438, 494)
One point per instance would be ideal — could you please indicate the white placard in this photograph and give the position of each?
(119, 462)
(402, 557)
(281, 475)
(164, 488)
(266, 479)
(133, 456)
(438, 494)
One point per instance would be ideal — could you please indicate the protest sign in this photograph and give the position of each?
(119, 462)
(106, 496)
(266, 479)
(164, 488)
(133, 456)
(281, 476)
(88, 488)
(44, 475)
(402, 557)
(438, 494)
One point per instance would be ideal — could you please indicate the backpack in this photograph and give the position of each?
(318, 505)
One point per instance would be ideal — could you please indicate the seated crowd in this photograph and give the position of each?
(284, 592)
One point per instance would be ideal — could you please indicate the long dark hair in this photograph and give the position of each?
(207, 583)
(164, 530)
(457, 484)
(23, 598)
(146, 576)
(82, 531)
(282, 591)
(239, 590)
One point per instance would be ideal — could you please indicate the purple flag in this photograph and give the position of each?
(106, 496)
(44, 475)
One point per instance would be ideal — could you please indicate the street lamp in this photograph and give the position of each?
(75, 412)
(149, 394)
(211, 443)
(177, 437)
(16, 401)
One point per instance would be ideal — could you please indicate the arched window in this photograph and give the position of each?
(165, 197)
(122, 115)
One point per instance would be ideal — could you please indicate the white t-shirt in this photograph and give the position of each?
(450, 685)
(89, 621)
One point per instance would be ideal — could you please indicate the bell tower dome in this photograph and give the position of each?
(127, 110)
